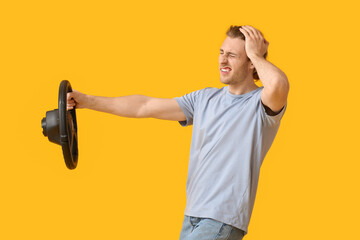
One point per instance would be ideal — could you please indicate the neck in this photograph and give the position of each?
(242, 88)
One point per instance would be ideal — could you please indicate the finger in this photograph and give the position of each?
(250, 32)
(71, 105)
(246, 34)
(266, 43)
(68, 95)
(256, 32)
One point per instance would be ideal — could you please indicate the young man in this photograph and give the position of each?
(233, 129)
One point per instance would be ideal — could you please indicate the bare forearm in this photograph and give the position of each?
(270, 75)
(125, 106)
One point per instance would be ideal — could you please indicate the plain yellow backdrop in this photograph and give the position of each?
(131, 176)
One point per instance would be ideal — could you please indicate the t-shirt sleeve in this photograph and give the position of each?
(267, 119)
(187, 104)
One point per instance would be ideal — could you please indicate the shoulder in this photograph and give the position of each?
(212, 90)
(207, 92)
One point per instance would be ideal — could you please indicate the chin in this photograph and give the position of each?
(225, 81)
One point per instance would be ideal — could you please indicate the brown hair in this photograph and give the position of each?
(234, 32)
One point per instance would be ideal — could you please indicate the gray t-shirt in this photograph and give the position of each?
(231, 136)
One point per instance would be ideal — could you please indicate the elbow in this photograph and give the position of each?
(286, 85)
(143, 109)
(282, 85)
(279, 87)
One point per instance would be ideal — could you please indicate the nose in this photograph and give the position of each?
(223, 59)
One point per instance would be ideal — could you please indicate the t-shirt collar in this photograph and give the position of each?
(241, 95)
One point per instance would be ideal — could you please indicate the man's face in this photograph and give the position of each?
(234, 65)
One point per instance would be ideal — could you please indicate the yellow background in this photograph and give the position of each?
(130, 181)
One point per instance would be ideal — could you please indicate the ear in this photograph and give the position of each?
(252, 68)
(251, 65)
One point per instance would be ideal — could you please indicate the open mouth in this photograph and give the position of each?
(225, 69)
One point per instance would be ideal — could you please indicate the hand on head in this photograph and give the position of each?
(255, 43)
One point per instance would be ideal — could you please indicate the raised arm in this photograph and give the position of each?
(275, 82)
(132, 106)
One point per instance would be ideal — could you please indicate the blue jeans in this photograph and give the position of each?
(195, 228)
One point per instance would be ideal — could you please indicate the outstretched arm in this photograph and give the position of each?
(132, 106)
(275, 82)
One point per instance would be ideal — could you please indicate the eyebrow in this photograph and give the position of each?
(221, 50)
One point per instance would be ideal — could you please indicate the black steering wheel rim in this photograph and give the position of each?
(67, 127)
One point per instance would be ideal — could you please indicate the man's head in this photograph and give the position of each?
(234, 63)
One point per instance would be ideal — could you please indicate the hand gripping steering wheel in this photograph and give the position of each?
(60, 127)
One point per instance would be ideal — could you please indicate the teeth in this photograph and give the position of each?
(225, 70)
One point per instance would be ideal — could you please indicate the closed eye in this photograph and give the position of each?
(230, 54)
